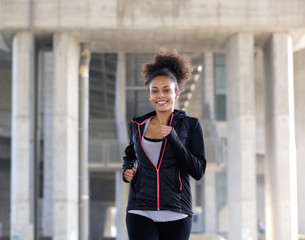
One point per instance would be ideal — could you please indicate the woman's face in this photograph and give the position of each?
(162, 94)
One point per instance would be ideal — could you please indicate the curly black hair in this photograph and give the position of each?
(173, 65)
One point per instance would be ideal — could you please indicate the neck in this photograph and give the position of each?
(164, 117)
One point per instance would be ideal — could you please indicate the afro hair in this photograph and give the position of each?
(177, 64)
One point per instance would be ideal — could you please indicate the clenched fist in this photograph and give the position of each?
(129, 174)
(165, 130)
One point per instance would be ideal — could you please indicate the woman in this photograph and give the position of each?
(166, 147)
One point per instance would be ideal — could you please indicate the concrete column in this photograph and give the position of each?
(209, 91)
(280, 175)
(46, 62)
(259, 102)
(210, 202)
(122, 188)
(260, 132)
(65, 137)
(21, 224)
(120, 102)
(299, 90)
(241, 137)
(84, 145)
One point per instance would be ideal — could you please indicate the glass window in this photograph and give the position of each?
(102, 85)
(103, 146)
(102, 133)
(5, 139)
(137, 93)
(220, 86)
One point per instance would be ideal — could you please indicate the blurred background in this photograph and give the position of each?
(70, 82)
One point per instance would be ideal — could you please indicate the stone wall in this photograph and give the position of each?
(139, 14)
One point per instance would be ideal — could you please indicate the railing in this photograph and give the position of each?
(102, 128)
(104, 152)
(220, 144)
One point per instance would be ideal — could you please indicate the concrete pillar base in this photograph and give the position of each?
(22, 231)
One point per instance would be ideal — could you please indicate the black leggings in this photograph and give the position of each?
(143, 228)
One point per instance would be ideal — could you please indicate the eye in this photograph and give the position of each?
(167, 90)
(154, 91)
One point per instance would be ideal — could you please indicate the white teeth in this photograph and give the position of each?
(161, 102)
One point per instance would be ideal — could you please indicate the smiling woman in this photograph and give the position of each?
(166, 148)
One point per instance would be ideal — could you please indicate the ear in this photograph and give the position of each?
(177, 94)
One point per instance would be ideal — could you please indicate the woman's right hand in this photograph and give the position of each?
(129, 174)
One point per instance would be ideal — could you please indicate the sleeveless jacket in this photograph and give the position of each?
(167, 185)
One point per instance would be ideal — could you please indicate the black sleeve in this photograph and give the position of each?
(191, 158)
(130, 157)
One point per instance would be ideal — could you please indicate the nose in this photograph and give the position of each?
(161, 94)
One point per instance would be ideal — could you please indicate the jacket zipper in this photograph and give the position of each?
(158, 167)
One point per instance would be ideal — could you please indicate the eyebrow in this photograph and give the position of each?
(162, 87)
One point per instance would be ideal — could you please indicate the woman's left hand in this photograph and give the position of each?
(165, 130)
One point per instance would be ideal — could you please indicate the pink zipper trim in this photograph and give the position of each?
(157, 168)
(180, 181)
(139, 124)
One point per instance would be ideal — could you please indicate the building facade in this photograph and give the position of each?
(70, 81)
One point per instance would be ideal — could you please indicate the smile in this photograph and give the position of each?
(161, 102)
